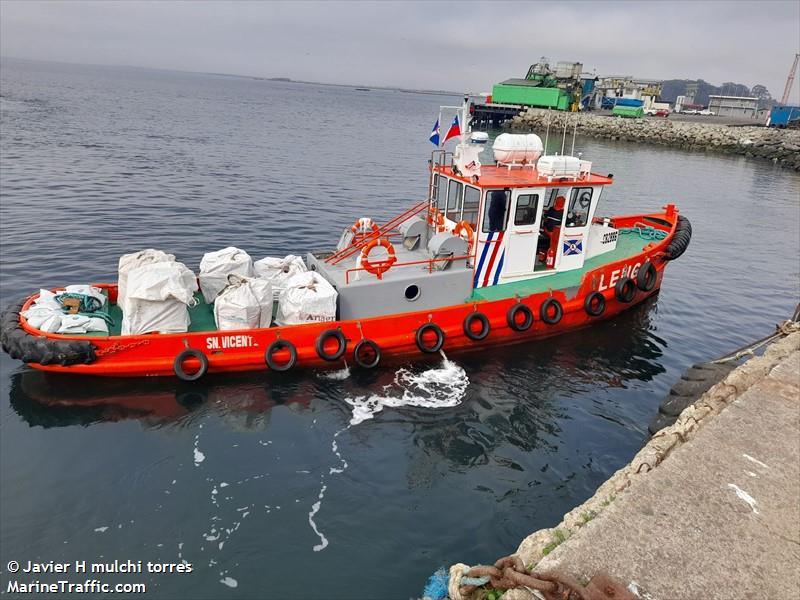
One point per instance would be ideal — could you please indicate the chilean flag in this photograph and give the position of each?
(435, 134)
(453, 131)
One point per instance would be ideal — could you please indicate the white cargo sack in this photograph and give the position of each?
(244, 304)
(158, 298)
(44, 318)
(279, 270)
(81, 324)
(308, 298)
(46, 314)
(216, 266)
(128, 262)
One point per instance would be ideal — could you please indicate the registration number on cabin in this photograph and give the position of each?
(223, 342)
(609, 237)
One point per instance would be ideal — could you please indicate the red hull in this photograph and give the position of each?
(151, 355)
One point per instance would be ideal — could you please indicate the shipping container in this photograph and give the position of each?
(783, 116)
(545, 97)
(631, 112)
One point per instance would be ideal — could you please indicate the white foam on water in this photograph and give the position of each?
(439, 387)
(338, 375)
(229, 581)
(318, 504)
(198, 456)
(314, 510)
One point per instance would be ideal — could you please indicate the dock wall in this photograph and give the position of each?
(673, 524)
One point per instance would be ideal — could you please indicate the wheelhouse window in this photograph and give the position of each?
(454, 190)
(553, 212)
(551, 195)
(525, 213)
(496, 212)
(440, 192)
(580, 202)
(472, 201)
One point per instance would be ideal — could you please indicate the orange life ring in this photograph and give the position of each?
(464, 227)
(363, 227)
(379, 267)
(436, 218)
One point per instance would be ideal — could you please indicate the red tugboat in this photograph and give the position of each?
(497, 254)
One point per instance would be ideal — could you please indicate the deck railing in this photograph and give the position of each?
(383, 231)
(395, 265)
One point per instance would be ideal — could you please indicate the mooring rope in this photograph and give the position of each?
(781, 329)
(646, 232)
(89, 306)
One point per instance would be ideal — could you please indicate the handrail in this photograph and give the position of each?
(344, 253)
(428, 261)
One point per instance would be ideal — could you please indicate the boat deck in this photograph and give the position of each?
(629, 243)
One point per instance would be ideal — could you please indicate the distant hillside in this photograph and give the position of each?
(672, 88)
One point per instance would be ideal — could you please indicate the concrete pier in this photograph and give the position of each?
(709, 508)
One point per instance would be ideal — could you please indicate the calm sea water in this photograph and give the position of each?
(262, 482)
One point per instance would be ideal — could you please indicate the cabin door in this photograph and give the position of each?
(575, 234)
(523, 234)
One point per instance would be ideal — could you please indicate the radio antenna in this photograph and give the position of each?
(564, 135)
(547, 132)
(574, 131)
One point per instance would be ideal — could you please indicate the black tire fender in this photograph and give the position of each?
(647, 276)
(680, 241)
(589, 304)
(177, 365)
(340, 349)
(366, 344)
(511, 317)
(625, 290)
(544, 311)
(276, 346)
(484, 330)
(420, 337)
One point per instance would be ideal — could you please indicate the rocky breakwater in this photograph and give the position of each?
(782, 146)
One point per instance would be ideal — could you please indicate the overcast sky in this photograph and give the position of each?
(465, 46)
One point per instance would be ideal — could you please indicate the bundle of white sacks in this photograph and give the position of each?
(155, 291)
(46, 313)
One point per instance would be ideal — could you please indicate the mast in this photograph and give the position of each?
(466, 120)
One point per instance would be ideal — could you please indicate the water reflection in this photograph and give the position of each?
(521, 395)
(55, 400)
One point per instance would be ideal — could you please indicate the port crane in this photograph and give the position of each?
(790, 80)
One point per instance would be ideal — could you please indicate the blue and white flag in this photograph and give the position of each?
(435, 134)
(573, 247)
